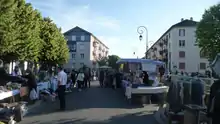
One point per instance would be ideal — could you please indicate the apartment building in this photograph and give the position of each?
(177, 48)
(85, 48)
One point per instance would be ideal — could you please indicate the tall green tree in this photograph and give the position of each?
(28, 24)
(54, 50)
(112, 59)
(208, 32)
(63, 53)
(102, 61)
(8, 30)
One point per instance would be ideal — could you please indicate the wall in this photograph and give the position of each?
(192, 53)
(82, 47)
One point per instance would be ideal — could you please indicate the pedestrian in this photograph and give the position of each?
(31, 80)
(80, 80)
(16, 71)
(87, 74)
(73, 77)
(62, 81)
(101, 78)
(213, 109)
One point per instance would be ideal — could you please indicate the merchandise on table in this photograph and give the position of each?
(11, 112)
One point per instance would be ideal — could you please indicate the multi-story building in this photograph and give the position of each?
(177, 48)
(85, 48)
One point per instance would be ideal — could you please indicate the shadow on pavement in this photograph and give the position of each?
(138, 118)
(88, 98)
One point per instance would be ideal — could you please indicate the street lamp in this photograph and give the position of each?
(140, 31)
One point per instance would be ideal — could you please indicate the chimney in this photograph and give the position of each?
(191, 18)
(182, 19)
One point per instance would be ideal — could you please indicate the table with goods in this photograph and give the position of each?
(11, 107)
(186, 101)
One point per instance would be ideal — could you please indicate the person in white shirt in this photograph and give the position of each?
(80, 79)
(62, 80)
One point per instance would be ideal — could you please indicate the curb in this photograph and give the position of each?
(30, 107)
(160, 117)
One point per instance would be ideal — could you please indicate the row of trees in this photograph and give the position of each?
(208, 32)
(109, 61)
(27, 36)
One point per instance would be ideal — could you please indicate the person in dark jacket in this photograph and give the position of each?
(31, 80)
(101, 78)
(73, 77)
(215, 113)
(5, 78)
(146, 79)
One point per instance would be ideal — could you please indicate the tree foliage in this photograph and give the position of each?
(8, 30)
(208, 32)
(25, 35)
(112, 59)
(102, 61)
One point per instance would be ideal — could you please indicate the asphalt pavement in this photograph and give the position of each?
(92, 106)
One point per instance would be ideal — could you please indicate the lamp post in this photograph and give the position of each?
(141, 30)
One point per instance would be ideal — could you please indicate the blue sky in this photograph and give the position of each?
(115, 22)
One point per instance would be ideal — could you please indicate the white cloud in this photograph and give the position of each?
(67, 16)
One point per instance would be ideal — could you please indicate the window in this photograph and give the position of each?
(182, 65)
(202, 65)
(82, 55)
(73, 38)
(182, 54)
(74, 65)
(169, 35)
(81, 47)
(73, 56)
(82, 38)
(202, 54)
(181, 32)
(181, 43)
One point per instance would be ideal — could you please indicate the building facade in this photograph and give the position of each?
(177, 48)
(85, 48)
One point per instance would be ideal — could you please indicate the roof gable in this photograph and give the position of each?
(76, 29)
(184, 23)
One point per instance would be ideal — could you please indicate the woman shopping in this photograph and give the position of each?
(31, 81)
(80, 79)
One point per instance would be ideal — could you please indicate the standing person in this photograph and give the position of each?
(31, 80)
(16, 71)
(213, 109)
(80, 80)
(101, 78)
(161, 71)
(73, 77)
(62, 81)
(87, 74)
(146, 79)
(89, 77)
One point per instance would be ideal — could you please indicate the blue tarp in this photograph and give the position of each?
(139, 61)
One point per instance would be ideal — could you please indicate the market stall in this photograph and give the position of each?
(132, 83)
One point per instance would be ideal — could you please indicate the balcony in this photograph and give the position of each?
(94, 53)
(165, 41)
(95, 43)
(165, 51)
(161, 44)
(161, 52)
